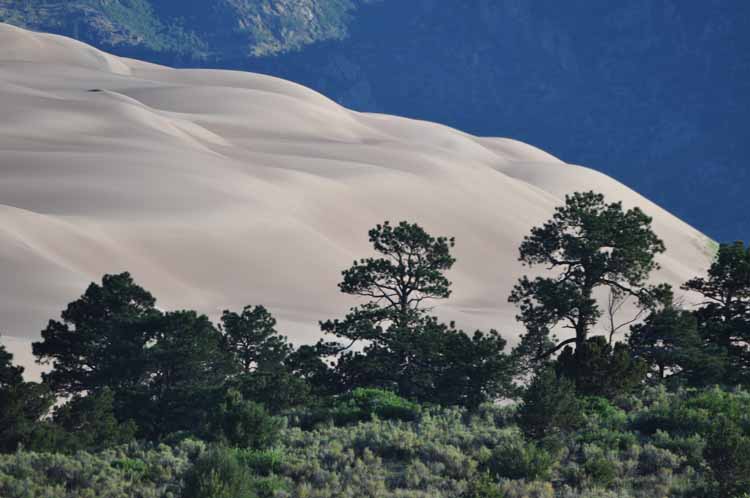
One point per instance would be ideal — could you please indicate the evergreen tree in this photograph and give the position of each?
(101, 340)
(405, 350)
(187, 374)
(242, 424)
(724, 315)
(591, 245)
(727, 453)
(22, 405)
(89, 423)
(409, 271)
(600, 369)
(271, 372)
(434, 363)
(669, 343)
(10, 375)
(251, 338)
(549, 407)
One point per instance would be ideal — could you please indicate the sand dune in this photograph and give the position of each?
(218, 189)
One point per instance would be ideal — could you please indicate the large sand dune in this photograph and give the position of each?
(218, 189)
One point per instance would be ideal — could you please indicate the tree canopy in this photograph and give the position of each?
(101, 338)
(724, 315)
(404, 348)
(588, 244)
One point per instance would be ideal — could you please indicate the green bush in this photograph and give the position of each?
(652, 460)
(244, 424)
(693, 412)
(517, 460)
(600, 471)
(362, 404)
(262, 462)
(603, 413)
(442, 453)
(145, 471)
(688, 447)
(550, 406)
(218, 473)
(483, 486)
(727, 453)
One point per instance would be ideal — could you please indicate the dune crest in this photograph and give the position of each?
(218, 189)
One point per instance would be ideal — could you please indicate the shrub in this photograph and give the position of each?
(261, 462)
(693, 412)
(132, 470)
(483, 487)
(89, 422)
(603, 413)
(550, 406)
(364, 403)
(244, 424)
(653, 460)
(218, 473)
(727, 452)
(688, 447)
(600, 471)
(516, 460)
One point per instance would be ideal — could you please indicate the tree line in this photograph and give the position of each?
(122, 369)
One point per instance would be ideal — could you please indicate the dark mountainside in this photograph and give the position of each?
(655, 94)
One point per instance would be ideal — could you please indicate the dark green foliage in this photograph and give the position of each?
(271, 371)
(89, 423)
(262, 462)
(307, 362)
(359, 405)
(669, 343)
(470, 369)
(406, 350)
(101, 339)
(442, 453)
(10, 375)
(694, 412)
(605, 425)
(518, 460)
(22, 405)
(137, 470)
(550, 407)
(599, 369)
(688, 447)
(483, 486)
(363, 404)
(409, 271)
(591, 244)
(218, 473)
(434, 363)
(243, 424)
(277, 389)
(187, 370)
(252, 339)
(727, 452)
(163, 370)
(724, 317)
(600, 471)
(188, 378)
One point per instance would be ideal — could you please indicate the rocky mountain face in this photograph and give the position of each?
(654, 93)
(192, 32)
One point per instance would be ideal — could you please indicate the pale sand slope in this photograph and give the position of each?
(218, 189)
